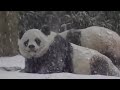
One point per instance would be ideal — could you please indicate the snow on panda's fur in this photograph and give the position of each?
(52, 54)
(98, 38)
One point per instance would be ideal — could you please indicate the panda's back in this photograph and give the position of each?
(99, 38)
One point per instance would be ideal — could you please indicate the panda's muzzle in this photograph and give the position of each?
(31, 47)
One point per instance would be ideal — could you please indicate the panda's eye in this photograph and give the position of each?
(26, 43)
(37, 41)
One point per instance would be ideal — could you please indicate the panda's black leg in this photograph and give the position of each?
(103, 66)
(111, 56)
(99, 66)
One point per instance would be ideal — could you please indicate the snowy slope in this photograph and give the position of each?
(10, 66)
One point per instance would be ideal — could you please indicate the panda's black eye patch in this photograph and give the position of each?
(26, 43)
(38, 41)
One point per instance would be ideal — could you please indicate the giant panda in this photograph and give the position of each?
(98, 38)
(47, 52)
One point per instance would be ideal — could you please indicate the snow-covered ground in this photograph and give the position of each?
(10, 66)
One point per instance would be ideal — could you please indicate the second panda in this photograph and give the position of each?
(47, 52)
(98, 38)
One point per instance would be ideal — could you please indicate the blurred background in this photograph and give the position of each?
(11, 22)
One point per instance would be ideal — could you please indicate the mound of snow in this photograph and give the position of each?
(15, 61)
(9, 69)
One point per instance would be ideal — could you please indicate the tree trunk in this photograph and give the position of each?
(8, 33)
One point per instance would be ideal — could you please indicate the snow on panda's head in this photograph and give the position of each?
(34, 43)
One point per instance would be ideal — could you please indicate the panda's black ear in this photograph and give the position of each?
(45, 29)
(21, 34)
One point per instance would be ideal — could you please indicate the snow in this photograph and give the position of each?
(15, 61)
(16, 75)
(18, 61)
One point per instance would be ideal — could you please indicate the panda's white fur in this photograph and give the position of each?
(81, 60)
(98, 38)
(81, 57)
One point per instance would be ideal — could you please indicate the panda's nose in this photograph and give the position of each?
(31, 46)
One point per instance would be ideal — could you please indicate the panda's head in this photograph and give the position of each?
(34, 42)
